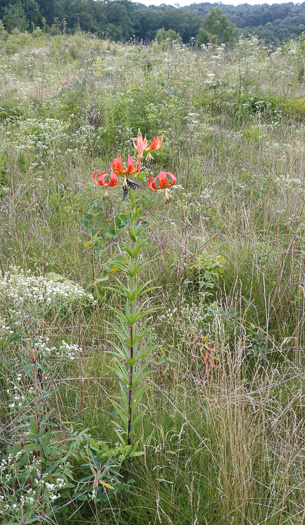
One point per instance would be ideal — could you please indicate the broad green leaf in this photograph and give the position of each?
(46, 438)
(34, 426)
(32, 446)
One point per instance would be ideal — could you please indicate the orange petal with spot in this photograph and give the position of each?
(117, 166)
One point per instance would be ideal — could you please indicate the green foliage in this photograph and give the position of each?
(122, 20)
(217, 28)
(49, 467)
(113, 32)
(131, 329)
(170, 35)
(3, 32)
(10, 111)
(46, 460)
(206, 270)
(14, 17)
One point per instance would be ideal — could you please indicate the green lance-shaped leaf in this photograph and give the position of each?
(133, 252)
(131, 327)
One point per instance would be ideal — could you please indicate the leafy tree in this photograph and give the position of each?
(113, 32)
(148, 22)
(83, 15)
(14, 17)
(122, 19)
(217, 28)
(180, 21)
(120, 13)
(31, 12)
(163, 35)
(3, 32)
(51, 9)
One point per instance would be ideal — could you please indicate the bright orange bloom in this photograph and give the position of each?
(118, 168)
(156, 144)
(105, 180)
(163, 183)
(142, 145)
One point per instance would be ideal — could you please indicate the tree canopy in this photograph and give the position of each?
(123, 19)
(217, 28)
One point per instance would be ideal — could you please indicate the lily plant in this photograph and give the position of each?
(118, 168)
(131, 327)
(142, 145)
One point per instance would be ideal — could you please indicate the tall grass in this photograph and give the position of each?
(222, 448)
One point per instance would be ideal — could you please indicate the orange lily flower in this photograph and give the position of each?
(105, 180)
(163, 183)
(142, 145)
(155, 144)
(118, 168)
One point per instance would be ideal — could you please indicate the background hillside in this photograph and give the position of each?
(124, 20)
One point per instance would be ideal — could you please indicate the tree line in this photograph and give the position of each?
(122, 20)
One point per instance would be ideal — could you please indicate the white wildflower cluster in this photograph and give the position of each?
(4, 328)
(71, 351)
(21, 495)
(51, 489)
(194, 313)
(64, 350)
(288, 182)
(8, 467)
(18, 399)
(5, 463)
(170, 314)
(45, 137)
(21, 289)
(39, 134)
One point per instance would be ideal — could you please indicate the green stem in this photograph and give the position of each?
(131, 368)
(130, 391)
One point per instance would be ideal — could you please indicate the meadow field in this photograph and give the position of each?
(219, 431)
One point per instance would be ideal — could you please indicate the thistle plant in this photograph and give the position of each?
(131, 328)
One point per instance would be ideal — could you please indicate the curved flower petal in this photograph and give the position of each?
(151, 183)
(141, 144)
(163, 183)
(117, 166)
(105, 180)
(155, 144)
(172, 176)
(139, 165)
(131, 169)
(130, 166)
(101, 173)
(162, 180)
(113, 179)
